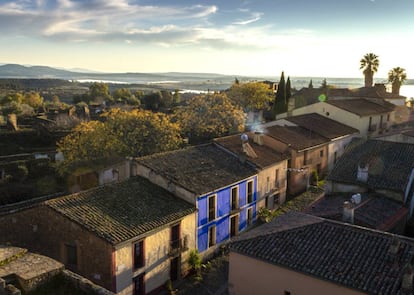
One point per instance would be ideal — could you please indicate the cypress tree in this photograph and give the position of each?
(288, 93)
(280, 99)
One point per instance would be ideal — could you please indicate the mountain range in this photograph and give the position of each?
(172, 80)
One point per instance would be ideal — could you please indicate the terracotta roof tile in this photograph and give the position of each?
(322, 125)
(299, 138)
(374, 211)
(265, 155)
(361, 106)
(390, 164)
(119, 212)
(200, 169)
(347, 255)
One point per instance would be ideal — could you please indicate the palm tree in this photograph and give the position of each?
(396, 77)
(370, 65)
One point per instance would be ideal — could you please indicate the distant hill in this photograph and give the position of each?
(39, 72)
(170, 80)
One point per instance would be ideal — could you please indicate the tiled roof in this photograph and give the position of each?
(362, 107)
(265, 155)
(199, 169)
(322, 125)
(347, 255)
(311, 95)
(377, 212)
(409, 133)
(119, 212)
(390, 164)
(299, 138)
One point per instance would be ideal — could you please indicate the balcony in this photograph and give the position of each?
(176, 247)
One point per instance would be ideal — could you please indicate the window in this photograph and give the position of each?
(211, 236)
(234, 225)
(71, 255)
(139, 254)
(321, 153)
(234, 198)
(287, 292)
(335, 157)
(388, 117)
(139, 285)
(305, 158)
(267, 184)
(175, 236)
(211, 208)
(277, 178)
(249, 216)
(250, 191)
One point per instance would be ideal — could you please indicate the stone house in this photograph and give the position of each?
(405, 136)
(222, 187)
(22, 272)
(370, 210)
(311, 255)
(270, 164)
(95, 174)
(383, 167)
(130, 237)
(371, 117)
(338, 134)
(308, 152)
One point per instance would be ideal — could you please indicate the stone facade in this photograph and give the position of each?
(41, 230)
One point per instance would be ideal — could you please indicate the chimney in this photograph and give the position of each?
(258, 138)
(348, 212)
(395, 246)
(407, 280)
(362, 174)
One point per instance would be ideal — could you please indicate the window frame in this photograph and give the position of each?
(249, 219)
(249, 197)
(71, 251)
(209, 209)
(212, 236)
(141, 280)
(139, 260)
(236, 205)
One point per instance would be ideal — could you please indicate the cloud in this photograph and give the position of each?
(121, 21)
(255, 17)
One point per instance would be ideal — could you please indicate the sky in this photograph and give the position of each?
(318, 38)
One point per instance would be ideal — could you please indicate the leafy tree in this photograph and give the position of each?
(99, 91)
(121, 94)
(33, 99)
(369, 63)
(166, 99)
(143, 132)
(139, 94)
(85, 97)
(176, 97)
(396, 77)
(251, 96)
(16, 97)
(207, 116)
(134, 133)
(153, 100)
(324, 84)
(280, 104)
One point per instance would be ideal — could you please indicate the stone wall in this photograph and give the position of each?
(43, 230)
